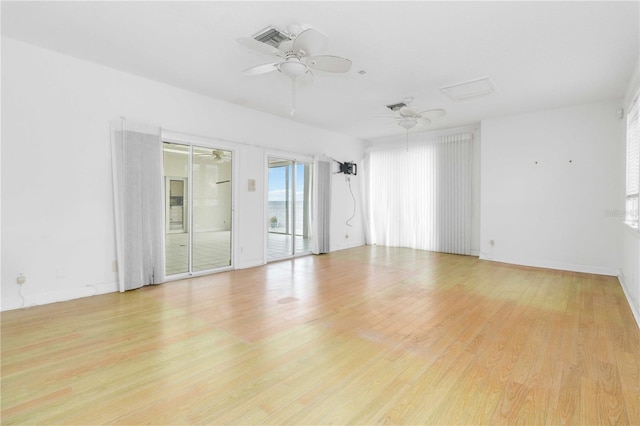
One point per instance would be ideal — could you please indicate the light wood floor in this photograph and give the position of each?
(367, 335)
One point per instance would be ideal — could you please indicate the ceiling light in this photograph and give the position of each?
(293, 67)
(408, 122)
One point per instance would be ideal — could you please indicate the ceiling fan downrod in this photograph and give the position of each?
(293, 95)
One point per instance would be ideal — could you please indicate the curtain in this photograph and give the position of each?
(323, 206)
(633, 164)
(420, 196)
(138, 200)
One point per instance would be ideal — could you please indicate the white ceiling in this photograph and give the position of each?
(539, 54)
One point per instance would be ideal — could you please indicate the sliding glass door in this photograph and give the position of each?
(289, 208)
(198, 202)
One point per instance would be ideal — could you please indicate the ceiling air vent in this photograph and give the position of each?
(271, 36)
(396, 107)
(469, 89)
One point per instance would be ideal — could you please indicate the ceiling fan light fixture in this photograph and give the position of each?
(293, 67)
(408, 122)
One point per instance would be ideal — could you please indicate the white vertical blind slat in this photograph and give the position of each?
(138, 199)
(632, 184)
(421, 198)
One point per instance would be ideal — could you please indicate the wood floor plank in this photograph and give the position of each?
(370, 335)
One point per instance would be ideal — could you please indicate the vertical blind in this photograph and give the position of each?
(138, 200)
(321, 244)
(633, 163)
(420, 197)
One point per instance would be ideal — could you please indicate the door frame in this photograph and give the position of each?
(167, 212)
(296, 158)
(203, 142)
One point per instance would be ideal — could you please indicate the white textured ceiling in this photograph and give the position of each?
(539, 54)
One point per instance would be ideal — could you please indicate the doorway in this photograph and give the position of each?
(289, 208)
(198, 209)
(175, 208)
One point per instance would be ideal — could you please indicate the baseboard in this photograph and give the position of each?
(36, 299)
(251, 263)
(474, 252)
(550, 264)
(9, 304)
(348, 246)
(635, 309)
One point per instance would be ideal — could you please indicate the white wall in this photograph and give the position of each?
(56, 112)
(630, 270)
(561, 212)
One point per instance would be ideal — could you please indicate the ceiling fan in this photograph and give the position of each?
(297, 52)
(216, 156)
(409, 117)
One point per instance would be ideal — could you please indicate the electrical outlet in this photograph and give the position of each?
(114, 266)
(21, 279)
(346, 235)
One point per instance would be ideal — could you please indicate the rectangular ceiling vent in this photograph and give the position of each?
(469, 89)
(271, 36)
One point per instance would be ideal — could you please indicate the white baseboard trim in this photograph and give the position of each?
(348, 246)
(635, 309)
(9, 304)
(550, 264)
(475, 253)
(36, 299)
(250, 263)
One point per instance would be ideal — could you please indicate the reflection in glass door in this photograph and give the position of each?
(211, 209)
(198, 208)
(289, 209)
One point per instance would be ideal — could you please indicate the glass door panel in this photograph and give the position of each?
(289, 208)
(176, 172)
(211, 208)
(280, 209)
(198, 208)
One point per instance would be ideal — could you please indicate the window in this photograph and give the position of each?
(633, 164)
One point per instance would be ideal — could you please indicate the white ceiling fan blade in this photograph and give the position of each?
(329, 63)
(257, 46)
(311, 41)
(433, 114)
(261, 69)
(423, 120)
